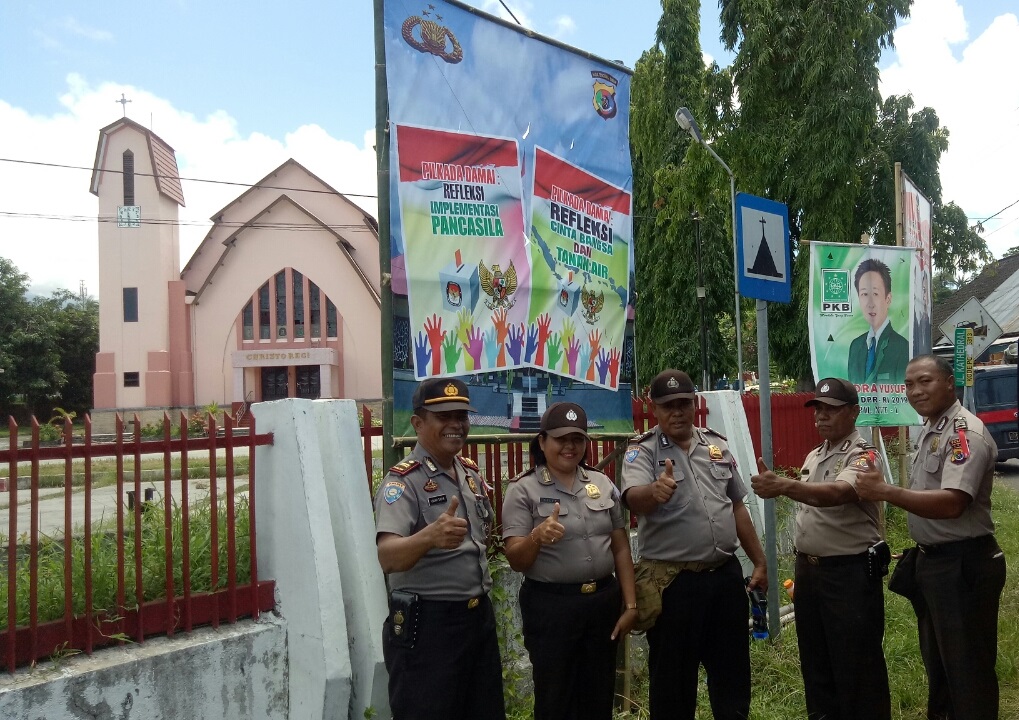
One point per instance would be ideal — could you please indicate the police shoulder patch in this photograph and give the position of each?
(525, 473)
(393, 491)
(641, 438)
(467, 462)
(631, 454)
(711, 431)
(860, 462)
(404, 467)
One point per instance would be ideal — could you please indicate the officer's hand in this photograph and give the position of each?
(759, 578)
(448, 530)
(625, 623)
(766, 484)
(663, 487)
(550, 530)
(870, 483)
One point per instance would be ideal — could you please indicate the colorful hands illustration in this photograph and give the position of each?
(572, 352)
(544, 325)
(555, 351)
(464, 323)
(501, 331)
(585, 361)
(421, 353)
(603, 365)
(614, 367)
(473, 346)
(569, 329)
(451, 350)
(516, 342)
(433, 327)
(532, 343)
(595, 339)
(491, 348)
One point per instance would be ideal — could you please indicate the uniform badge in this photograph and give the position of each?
(715, 453)
(472, 485)
(571, 416)
(838, 466)
(845, 446)
(663, 440)
(935, 443)
(860, 462)
(438, 500)
(431, 485)
(941, 424)
(546, 477)
(398, 617)
(393, 490)
(631, 454)
(960, 424)
(958, 453)
(430, 464)
(592, 491)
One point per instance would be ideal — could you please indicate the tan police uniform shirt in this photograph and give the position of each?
(955, 451)
(589, 513)
(841, 529)
(413, 495)
(697, 523)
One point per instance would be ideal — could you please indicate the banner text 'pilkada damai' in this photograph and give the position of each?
(511, 212)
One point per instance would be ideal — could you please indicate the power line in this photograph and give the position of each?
(979, 227)
(289, 227)
(189, 179)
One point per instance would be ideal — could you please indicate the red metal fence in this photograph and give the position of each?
(793, 434)
(161, 601)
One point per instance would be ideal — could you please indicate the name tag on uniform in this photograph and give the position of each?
(547, 500)
(437, 500)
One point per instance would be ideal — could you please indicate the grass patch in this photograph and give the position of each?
(153, 561)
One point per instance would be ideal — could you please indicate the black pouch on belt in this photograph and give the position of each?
(903, 580)
(878, 557)
(404, 611)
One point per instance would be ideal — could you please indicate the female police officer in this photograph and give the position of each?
(563, 527)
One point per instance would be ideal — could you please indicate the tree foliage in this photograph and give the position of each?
(799, 118)
(47, 348)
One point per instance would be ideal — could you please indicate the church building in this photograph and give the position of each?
(281, 299)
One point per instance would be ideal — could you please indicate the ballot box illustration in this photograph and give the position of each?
(460, 285)
(569, 295)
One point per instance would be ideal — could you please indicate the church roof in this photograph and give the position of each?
(164, 160)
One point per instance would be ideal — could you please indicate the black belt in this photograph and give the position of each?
(833, 560)
(957, 547)
(573, 588)
(451, 607)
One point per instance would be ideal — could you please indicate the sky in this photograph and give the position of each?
(237, 89)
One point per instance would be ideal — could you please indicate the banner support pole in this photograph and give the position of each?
(382, 135)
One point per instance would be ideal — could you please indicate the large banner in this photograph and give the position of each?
(860, 322)
(511, 217)
(916, 233)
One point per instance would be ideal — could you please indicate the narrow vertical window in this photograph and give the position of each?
(298, 281)
(315, 310)
(281, 304)
(330, 319)
(248, 321)
(131, 304)
(128, 175)
(263, 312)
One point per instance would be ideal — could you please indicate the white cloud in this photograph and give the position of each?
(564, 27)
(520, 9)
(59, 252)
(969, 82)
(74, 27)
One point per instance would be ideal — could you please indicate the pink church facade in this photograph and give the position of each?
(281, 298)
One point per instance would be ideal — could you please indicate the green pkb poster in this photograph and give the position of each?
(860, 324)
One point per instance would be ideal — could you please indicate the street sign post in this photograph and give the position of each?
(974, 316)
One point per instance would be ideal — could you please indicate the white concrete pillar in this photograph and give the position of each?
(238, 385)
(325, 381)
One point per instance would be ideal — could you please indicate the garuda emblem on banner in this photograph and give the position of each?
(433, 37)
(591, 304)
(498, 286)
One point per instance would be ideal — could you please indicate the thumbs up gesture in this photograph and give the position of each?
(448, 530)
(870, 482)
(550, 530)
(766, 483)
(664, 485)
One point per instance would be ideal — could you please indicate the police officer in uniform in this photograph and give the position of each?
(433, 522)
(955, 575)
(684, 485)
(840, 560)
(563, 527)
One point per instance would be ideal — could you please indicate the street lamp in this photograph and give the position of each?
(686, 121)
(701, 295)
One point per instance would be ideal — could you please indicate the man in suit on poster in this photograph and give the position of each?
(880, 354)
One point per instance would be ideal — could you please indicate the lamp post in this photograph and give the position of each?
(686, 121)
(701, 295)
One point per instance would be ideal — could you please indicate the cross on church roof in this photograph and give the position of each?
(123, 103)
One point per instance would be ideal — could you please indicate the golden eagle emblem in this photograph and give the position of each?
(435, 39)
(498, 286)
(591, 304)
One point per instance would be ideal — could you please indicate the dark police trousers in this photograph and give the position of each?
(957, 617)
(840, 623)
(704, 621)
(453, 671)
(573, 659)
